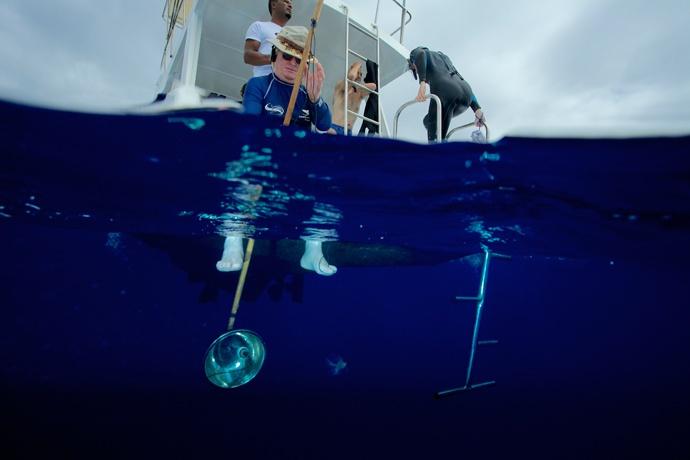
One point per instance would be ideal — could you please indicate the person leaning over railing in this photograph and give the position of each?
(435, 69)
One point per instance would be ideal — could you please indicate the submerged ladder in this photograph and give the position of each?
(479, 299)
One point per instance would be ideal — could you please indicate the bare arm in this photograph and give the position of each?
(370, 87)
(252, 55)
(421, 94)
(339, 103)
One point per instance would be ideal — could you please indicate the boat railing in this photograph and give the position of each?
(415, 101)
(175, 13)
(438, 119)
(403, 12)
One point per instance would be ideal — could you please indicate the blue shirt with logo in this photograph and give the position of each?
(270, 96)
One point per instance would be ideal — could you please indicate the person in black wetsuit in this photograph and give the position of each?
(435, 69)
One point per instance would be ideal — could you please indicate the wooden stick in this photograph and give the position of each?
(240, 283)
(286, 122)
(303, 64)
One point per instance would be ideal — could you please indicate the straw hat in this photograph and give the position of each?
(291, 40)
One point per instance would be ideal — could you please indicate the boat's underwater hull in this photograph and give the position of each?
(275, 264)
(210, 172)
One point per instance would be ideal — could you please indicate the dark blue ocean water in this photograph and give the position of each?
(110, 297)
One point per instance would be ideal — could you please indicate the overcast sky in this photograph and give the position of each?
(549, 67)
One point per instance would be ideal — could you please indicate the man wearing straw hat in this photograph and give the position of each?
(270, 95)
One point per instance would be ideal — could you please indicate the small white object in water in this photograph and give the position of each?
(336, 364)
(113, 241)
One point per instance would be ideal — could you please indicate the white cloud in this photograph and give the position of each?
(77, 53)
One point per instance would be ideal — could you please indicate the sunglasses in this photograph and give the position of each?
(290, 57)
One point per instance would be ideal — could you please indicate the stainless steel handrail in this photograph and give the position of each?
(415, 101)
(467, 125)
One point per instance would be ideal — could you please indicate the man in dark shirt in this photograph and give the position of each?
(270, 94)
(433, 68)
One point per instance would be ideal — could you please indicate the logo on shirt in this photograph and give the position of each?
(274, 109)
(304, 115)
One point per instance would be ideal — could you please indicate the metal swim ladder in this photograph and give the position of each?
(479, 299)
(381, 123)
(349, 51)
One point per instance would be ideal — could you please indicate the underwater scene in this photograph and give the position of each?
(526, 298)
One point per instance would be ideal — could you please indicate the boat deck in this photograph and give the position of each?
(221, 68)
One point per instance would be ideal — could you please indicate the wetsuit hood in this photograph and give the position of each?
(413, 57)
(416, 51)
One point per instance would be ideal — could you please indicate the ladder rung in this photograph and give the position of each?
(453, 391)
(364, 58)
(483, 384)
(487, 342)
(467, 298)
(356, 83)
(363, 30)
(362, 117)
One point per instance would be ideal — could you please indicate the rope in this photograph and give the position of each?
(286, 122)
(312, 65)
(177, 6)
(175, 14)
